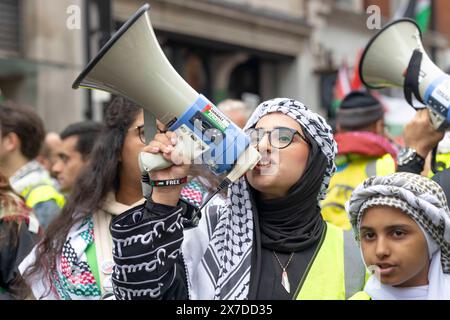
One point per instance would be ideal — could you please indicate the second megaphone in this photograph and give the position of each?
(395, 57)
(133, 65)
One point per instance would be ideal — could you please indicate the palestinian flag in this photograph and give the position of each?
(356, 84)
(342, 87)
(418, 10)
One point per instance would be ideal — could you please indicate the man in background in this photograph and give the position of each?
(236, 110)
(47, 155)
(363, 151)
(21, 140)
(77, 141)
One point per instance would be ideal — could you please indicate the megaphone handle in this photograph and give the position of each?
(188, 147)
(153, 162)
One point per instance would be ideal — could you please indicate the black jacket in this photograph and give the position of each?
(16, 242)
(147, 252)
(443, 179)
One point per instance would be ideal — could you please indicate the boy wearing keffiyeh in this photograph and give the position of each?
(402, 223)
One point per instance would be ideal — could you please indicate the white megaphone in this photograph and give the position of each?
(133, 65)
(395, 57)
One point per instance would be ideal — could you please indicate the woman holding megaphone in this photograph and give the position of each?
(268, 242)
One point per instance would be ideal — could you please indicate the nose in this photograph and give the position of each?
(382, 248)
(57, 167)
(263, 144)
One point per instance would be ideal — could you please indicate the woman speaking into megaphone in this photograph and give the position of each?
(269, 234)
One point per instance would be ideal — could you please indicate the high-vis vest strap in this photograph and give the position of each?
(330, 272)
(442, 163)
(384, 166)
(355, 270)
(361, 296)
(41, 193)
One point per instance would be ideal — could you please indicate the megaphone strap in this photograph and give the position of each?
(411, 83)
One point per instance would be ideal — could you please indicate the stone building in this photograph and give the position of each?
(247, 49)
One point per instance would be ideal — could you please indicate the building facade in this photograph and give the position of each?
(247, 49)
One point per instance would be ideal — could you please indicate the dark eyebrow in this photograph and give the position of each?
(391, 227)
(282, 127)
(397, 226)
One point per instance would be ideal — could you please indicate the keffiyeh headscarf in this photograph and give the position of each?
(224, 271)
(424, 201)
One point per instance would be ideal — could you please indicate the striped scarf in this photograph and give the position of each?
(73, 278)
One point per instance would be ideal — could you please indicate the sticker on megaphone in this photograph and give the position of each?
(437, 98)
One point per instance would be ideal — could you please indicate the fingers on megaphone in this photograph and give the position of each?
(178, 157)
(162, 142)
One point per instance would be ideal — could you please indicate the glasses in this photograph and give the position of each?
(279, 138)
(141, 132)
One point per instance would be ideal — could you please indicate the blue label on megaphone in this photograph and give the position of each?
(225, 140)
(437, 96)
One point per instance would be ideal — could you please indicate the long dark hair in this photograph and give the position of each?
(100, 176)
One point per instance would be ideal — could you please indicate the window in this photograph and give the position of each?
(9, 26)
(350, 5)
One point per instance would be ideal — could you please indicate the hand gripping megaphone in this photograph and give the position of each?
(395, 57)
(133, 65)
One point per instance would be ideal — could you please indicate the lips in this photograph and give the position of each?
(263, 164)
(386, 268)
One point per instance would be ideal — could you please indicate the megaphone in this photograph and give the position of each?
(133, 65)
(395, 57)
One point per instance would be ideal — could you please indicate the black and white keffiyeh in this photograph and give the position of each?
(222, 269)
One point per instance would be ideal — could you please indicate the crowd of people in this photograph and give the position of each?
(326, 214)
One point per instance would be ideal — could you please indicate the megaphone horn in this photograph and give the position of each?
(133, 65)
(395, 57)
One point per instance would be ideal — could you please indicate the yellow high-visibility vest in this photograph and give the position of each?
(42, 192)
(442, 163)
(336, 271)
(361, 296)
